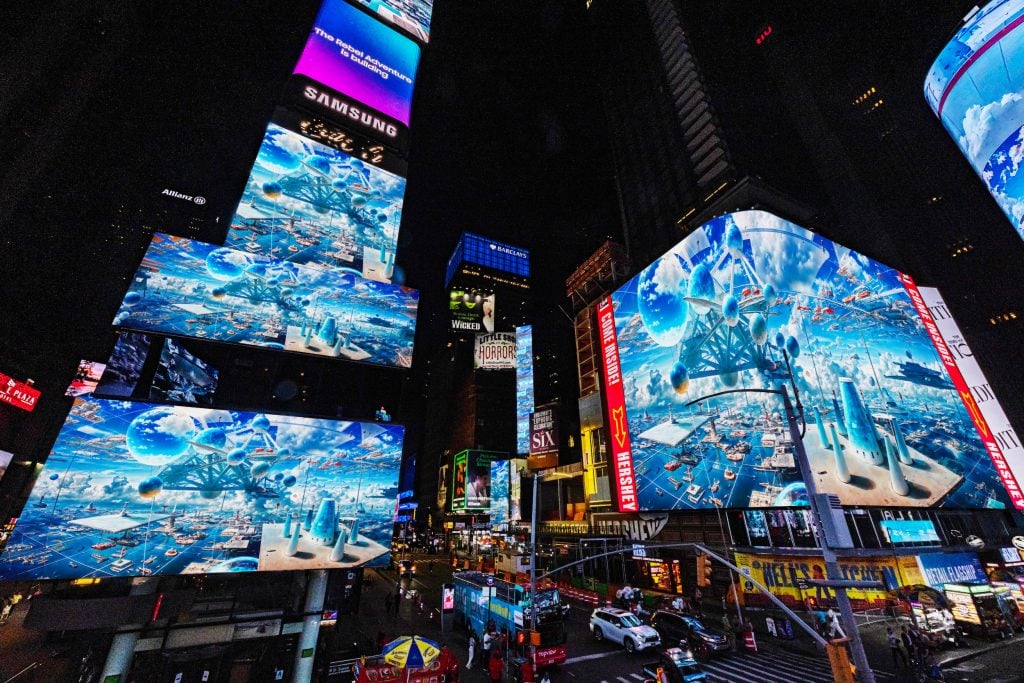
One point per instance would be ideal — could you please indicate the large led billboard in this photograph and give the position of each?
(976, 88)
(524, 387)
(412, 16)
(124, 367)
(737, 304)
(309, 203)
(488, 253)
(357, 56)
(140, 489)
(5, 461)
(87, 376)
(499, 493)
(471, 480)
(199, 290)
(470, 310)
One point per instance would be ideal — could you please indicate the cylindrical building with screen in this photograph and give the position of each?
(976, 88)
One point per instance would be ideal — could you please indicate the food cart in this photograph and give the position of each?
(444, 669)
(929, 610)
(976, 610)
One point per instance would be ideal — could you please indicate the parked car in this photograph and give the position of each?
(678, 665)
(689, 632)
(624, 628)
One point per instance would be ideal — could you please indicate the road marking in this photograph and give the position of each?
(637, 677)
(731, 668)
(587, 658)
(622, 679)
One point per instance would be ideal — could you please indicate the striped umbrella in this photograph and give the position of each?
(411, 652)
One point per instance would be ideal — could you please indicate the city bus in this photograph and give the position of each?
(507, 606)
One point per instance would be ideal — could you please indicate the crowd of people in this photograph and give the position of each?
(912, 650)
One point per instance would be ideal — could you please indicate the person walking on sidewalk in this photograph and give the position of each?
(834, 627)
(895, 649)
(472, 651)
(387, 603)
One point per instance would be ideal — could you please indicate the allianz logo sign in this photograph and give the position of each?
(181, 195)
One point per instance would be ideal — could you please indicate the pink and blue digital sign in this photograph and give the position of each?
(354, 54)
(976, 88)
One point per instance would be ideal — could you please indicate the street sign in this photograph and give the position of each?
(490, 580)
(639, 550)
(802, 584)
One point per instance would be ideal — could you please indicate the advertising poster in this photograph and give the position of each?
(784, 576)
(412, 16)
(471, 310)
(353, 54)
(495, 351)
(306, 202)
(18, 394)
(515, 488)
(478, 479)
(543, 431)
(133, 489)
(1005, 447)
(199, 290)
(938, 569)
(976, 88)
(751, 301)
(524, 387)
(499, 493)
(87, 376)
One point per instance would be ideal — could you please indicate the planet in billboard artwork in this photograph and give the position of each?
(662, 300)
(226, 264)
(793, 495)
(160, 435)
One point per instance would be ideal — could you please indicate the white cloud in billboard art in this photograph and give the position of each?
(786, 259)
(985, 126)
(661, 299)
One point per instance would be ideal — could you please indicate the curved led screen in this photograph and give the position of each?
(193, 289)
(139, 489)
(736, 304)
(976, 88)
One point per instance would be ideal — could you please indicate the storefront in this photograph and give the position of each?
(976, 609)
(665, 576)
(787, 578)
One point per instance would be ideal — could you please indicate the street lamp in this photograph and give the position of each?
(833, 575)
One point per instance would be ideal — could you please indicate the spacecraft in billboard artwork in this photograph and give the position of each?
(133, 489)
(193, 289)
(749, 300)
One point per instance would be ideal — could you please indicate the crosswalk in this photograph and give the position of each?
(763, 667)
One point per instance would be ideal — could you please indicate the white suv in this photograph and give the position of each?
(624, 628)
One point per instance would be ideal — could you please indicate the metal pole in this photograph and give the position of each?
(733, 579)
(832, 571)
(533, 554)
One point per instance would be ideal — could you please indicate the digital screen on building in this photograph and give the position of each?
(21, 395)
(976, 88)
(524, 387)
(499, 492)
(737, 304)
(471, 310)
(490, 254)
(87, 376)
(472, 480)
(938, 569)
(309, 203)
(412, 16)
(909, 531)
(459, 463)
(1001, 440)
(353, 54)
(192, 289)
(515, 488)
(124, 367)
(182, 377)
(494, 351)
(136, 489)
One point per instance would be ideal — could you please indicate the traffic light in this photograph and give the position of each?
(704, 570)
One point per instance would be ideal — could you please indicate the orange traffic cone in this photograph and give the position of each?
(749, 642)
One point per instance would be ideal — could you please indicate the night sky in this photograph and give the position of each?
(105, 104)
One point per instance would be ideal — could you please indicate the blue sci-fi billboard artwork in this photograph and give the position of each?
(137, 489)
(412, 16)
(309, 203)
(192, 289)
(976, 88)
(724, 309)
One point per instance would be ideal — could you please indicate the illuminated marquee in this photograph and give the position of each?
(18, 394)
(622, 455)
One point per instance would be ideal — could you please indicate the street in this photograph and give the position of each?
(589, 661)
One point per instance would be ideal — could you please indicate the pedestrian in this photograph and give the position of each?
(834, 627)
(894, 648)
(472, 651)
(488, 640)
(387, 602)
(908, 644)
(430, 567)
(494, 667)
